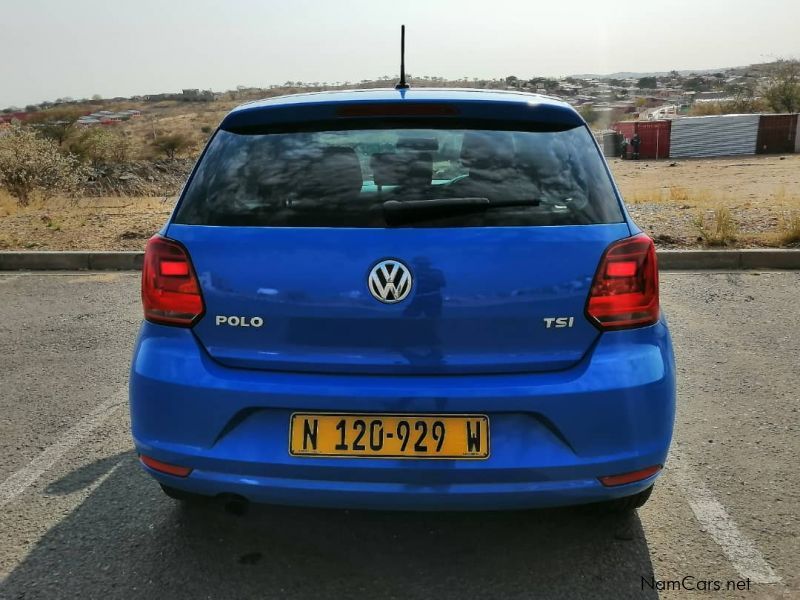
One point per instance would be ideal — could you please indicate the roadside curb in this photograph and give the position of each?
(668, 260)
(730, 260)
(71, 261)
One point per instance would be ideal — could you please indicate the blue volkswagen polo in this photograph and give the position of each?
(403, 299)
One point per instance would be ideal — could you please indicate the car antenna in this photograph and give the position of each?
(402, 85)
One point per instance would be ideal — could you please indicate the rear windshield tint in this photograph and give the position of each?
(401, 177)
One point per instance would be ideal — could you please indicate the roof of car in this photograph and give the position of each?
(426, 102)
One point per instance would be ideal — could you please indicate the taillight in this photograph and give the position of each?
(625, 288)
(170, 290)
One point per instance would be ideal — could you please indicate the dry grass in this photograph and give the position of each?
(719, 231)
(672, 195)
(107, 223)
(678, 194)
(60, 204)
(789, 230)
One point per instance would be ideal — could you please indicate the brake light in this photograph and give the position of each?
(624, 292)
(397, 109)
(170, 290)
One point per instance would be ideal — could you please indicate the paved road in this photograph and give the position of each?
(78, 519)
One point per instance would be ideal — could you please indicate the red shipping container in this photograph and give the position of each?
(654, 136)
(776, 134)
(626, 129)
(655, 139)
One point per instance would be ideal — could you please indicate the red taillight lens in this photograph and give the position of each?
(625, 289)
(612, 480)
(170, 290)
(163, 467)
(397, 109)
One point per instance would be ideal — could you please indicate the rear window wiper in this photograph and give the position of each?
(468, 203)
(410, 211)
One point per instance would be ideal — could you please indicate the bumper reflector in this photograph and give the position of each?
(612, 480)
(163, 467)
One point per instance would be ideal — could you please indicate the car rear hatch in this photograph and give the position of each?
(481, 299)
(284, 228)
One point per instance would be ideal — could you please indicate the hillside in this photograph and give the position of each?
(601, 98)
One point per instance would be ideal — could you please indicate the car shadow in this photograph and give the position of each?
(127, 540)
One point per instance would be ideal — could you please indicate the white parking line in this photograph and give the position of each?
(740, 550)
(20, 480)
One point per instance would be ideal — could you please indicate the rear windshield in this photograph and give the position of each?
(401, 178)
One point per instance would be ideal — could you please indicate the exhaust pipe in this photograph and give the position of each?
(234, 504)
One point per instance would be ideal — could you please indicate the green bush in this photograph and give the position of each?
(172, 145)
(100, 145)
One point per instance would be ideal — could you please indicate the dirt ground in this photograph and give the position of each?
(116, 223)
(666, 199)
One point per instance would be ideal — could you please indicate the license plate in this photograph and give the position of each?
(389, 436)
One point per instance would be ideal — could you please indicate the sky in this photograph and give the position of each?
(52, 49)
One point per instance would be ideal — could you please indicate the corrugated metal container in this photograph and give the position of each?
(654, 136)
(777, 134)
(655, 139)
(626, 129)
(797, 137)
(718, 135)
(612, 144)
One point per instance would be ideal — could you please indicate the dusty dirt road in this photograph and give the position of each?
(80, 520)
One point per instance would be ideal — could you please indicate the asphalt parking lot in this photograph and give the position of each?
(80, 520)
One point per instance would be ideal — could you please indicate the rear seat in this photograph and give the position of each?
(406, 170)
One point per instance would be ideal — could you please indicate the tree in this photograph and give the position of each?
(588, 113)
(56, 123)
(58, 131)
(696, 84)
(31, 164)
(551, 85)
(100, 145)
(782, 91)
(647, 83)
(173, 144)
(743, 100)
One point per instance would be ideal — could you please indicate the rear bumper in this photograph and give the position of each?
(552, 434)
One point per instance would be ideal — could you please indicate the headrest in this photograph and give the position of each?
(487, 150)
(538, 153)
(337, 171)
(402, 168)
(417, 143)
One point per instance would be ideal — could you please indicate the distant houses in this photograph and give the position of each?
(187, 95)
(107, 117)
(14, 116)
